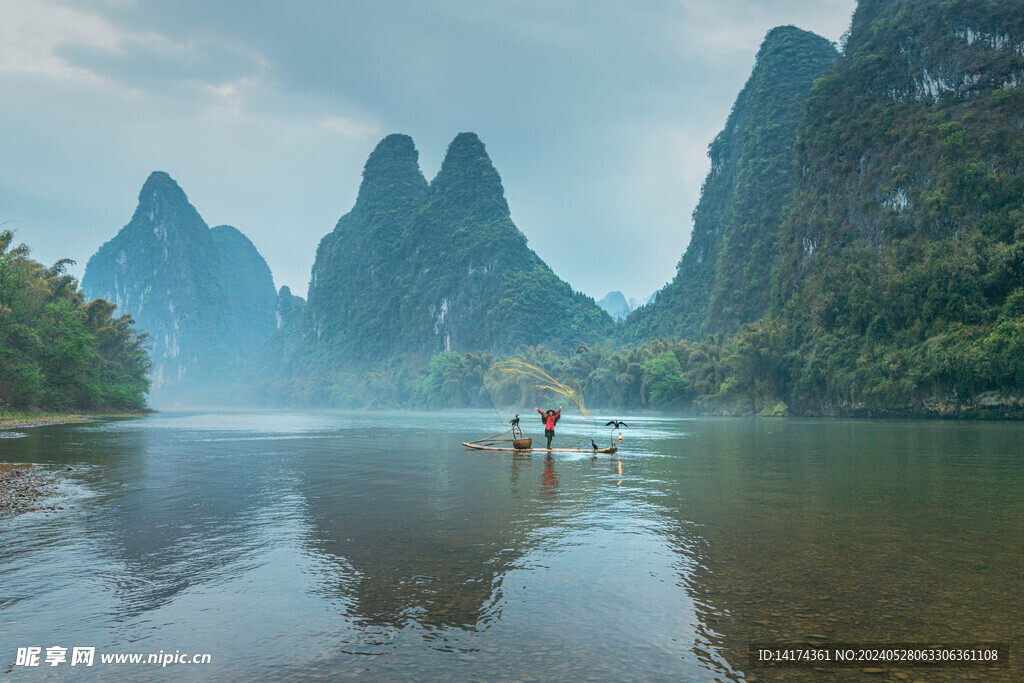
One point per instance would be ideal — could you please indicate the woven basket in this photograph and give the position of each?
(522, 444)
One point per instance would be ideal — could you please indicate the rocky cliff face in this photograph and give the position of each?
(278, 373)
(926, 50)
(724, 277)
(206, 297)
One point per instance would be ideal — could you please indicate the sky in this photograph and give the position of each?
(596, 114)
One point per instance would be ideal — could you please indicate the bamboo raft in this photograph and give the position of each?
(479, 447)
(521, 445)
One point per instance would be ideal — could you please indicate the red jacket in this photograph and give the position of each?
(549, 420)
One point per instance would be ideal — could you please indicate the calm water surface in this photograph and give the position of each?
(374, 546)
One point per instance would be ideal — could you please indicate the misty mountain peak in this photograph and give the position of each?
(467, 142)
(615, 305)
(161, 186)
(392, 172)
(205, 296)
(448, 271)
(162, 202)
(393, 146)
(784, 34)
(231, 236)
(467, 172)
(788, 56)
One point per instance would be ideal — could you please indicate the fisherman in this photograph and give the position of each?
(549, 419)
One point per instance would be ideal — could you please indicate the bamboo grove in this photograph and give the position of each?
(57, 351)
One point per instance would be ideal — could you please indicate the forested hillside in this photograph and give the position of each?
(355, 290)
(416, 269)
(473, 283)
(901, 270)
(893, 280)
(724, 277)
(58, 352)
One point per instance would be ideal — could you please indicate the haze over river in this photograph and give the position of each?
(375, 546)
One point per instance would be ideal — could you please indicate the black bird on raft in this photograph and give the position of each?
(593, 444)
(618, 424)
(515, 422)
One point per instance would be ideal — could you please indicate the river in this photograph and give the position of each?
(319, 546)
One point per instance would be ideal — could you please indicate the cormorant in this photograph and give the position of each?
(618, 424)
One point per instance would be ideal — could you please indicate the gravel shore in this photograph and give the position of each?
(23, 486)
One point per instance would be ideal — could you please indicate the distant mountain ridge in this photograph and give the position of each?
(205, 296)
(615, 305)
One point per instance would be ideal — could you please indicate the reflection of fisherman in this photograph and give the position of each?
(549, 419)
(550, 486)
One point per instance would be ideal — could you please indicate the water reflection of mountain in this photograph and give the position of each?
(168, 510)
(415, 536)
(418, 539)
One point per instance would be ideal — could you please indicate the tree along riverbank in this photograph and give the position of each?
(754, 372)
(58, 351)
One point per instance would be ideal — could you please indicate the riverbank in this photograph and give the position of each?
(38, 419)
(990, 406)
(22, 486)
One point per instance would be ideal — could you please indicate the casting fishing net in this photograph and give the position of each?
(516, 385)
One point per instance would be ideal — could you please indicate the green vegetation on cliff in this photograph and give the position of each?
(58, 352)
(901, 269)
(355, 290)
(248, 290)
(417, 269)
(414, 270)
(473, 282)
(724, 277)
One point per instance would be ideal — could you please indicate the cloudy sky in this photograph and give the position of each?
(597, 114)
